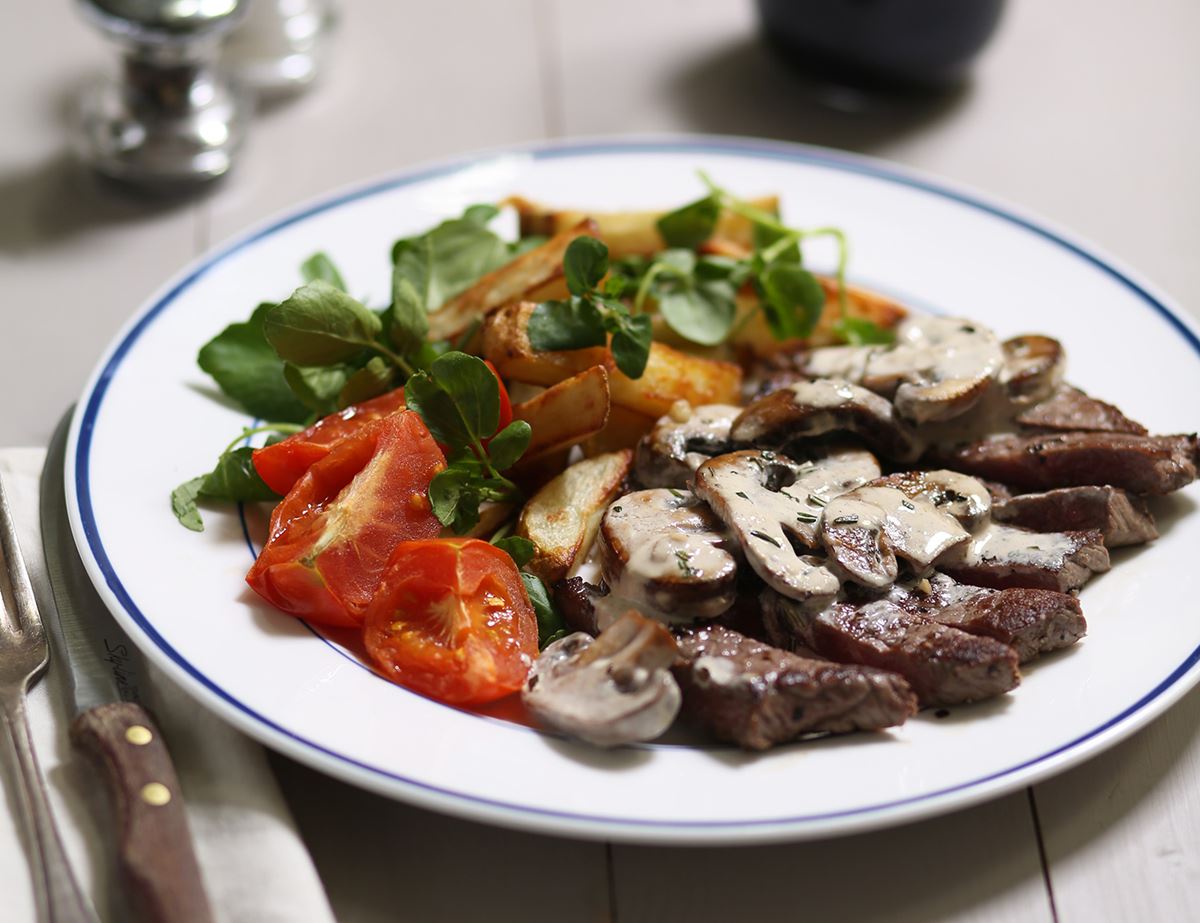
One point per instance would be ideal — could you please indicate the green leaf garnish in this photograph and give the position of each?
(508, 445)
(520, 549)
(320, 266)
(320, 325)
(691, 225)
(551, 626)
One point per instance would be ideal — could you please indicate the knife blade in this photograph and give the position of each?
(155, 857)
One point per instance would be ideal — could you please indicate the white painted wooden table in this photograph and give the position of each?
(1087, 111)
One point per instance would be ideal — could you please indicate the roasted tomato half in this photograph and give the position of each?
(282, 464)
(451, 620)
(332, 535)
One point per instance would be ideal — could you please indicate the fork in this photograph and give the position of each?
(24, 654)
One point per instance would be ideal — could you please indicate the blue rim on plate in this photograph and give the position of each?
(633, 827)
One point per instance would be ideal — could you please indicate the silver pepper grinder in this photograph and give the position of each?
(170, 119)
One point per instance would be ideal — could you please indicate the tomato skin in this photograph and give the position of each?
(281, 465)
(332, 535)
(451, 620)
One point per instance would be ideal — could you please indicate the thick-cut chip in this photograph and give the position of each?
(511, 282)
(566, 413)
(562, 517)
(670, 374)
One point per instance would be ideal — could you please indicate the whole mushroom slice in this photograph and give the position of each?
(611, 690)
(1033, 367)
(806, 409)
(664, 549)
(881, 516)
(938, 368)
(966, 499)
(681, 441)
(766, 500)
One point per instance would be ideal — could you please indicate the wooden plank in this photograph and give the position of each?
(977, 865)
(65, 239)
(383, 861)
(1122, 831)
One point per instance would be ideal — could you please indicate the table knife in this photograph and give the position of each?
(155, 858)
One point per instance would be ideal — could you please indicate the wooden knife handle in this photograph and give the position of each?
(158, 867)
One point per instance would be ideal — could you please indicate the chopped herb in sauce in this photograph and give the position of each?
(806, 517)
(765, 538)
(685, 563)
(846, 520)
(816, 500)
(907, 504)
(742, 494)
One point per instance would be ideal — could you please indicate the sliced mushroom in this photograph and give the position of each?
(966, 499)
(681, 441)
(611, 690)
(866, 528)
(815, 408)
(767, 500)
(1033, 367)
(664, 549)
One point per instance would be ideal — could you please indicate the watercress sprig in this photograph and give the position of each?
(458, 397)
(593, 313)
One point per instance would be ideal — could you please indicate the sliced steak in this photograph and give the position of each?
(1140, 464)
(1001, 556)
(757, 696)
(1120, 517)
(575, 599)
(944, 665)
(1069, 410)
(1031, 622)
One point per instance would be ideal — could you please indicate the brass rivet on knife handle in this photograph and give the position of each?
(158, 868)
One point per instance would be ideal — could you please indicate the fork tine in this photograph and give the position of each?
(27, 617)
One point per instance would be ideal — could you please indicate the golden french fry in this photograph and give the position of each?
(628, 233)
(625, 427)
(562, 518)
(670, 374)
(566, 413)
(529, 272)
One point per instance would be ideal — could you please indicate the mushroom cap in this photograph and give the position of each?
(611, 690)
(806, 409)
(681, 441)
(666, 549)
(965, 498)
(1033, 367)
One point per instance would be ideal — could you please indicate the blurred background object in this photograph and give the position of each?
(881, 44)
(169, 119)
(278, 48)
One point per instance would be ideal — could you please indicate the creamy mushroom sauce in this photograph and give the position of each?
(995, 542)
(655, 543)
(677, 445)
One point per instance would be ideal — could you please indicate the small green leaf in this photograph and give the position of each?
(426, 397)
(509, 444)
(551, 626)
(373, 379)
(525, 244)
(792, 300)
(450, 258)
(862, 332)
(691, 225)
(320, 325)
(407, 319)
(473, 387)
(453, 500)
(183, 504)
(320, 266)
(480, 214)
(631, 344)
(701, 313)
(317, 387)
(584, 264)
(234, 479)
(247, 368)
(573, 324)
(521, 550)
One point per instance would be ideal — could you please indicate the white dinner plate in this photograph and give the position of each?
(151, 419)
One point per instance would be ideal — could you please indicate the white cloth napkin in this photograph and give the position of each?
(255, 866)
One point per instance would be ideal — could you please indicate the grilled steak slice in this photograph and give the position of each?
(1069, 410)
(1120, 517)
(757, 696)
(1031, 622)
(1140, 464)
(575, 598)
(1003, 556)
(944, 665)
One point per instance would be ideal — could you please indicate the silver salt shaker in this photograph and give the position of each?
(170, 119)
